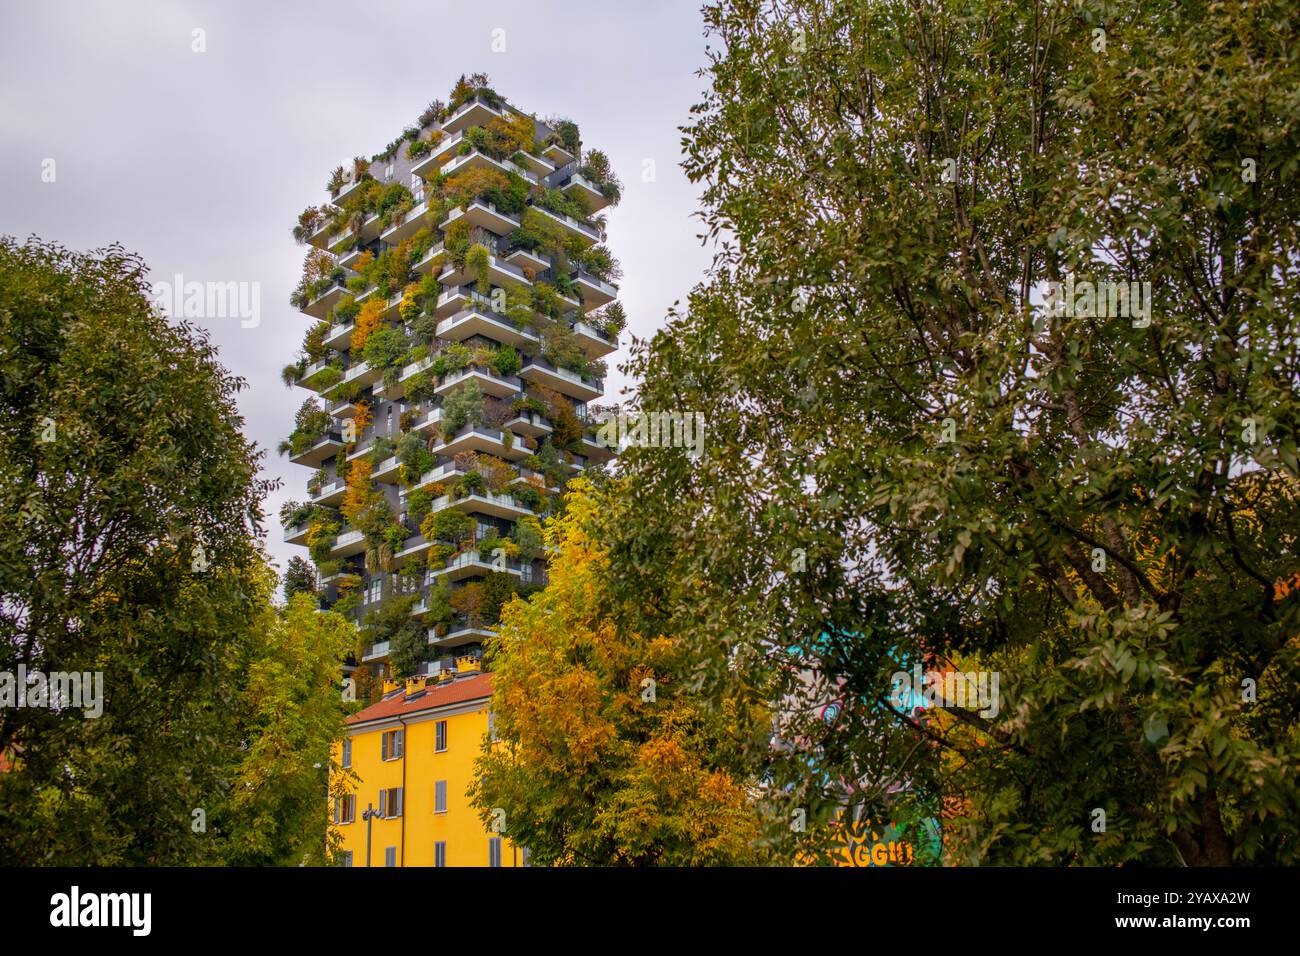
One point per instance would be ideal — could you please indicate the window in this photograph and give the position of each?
(390, 856)
(440, 853)
(393, 744)
(388, 172)
(440, 736)
(345, 858)
(390, 802)
(494, 851)
(347, 753)
(526, 856)
(440, 797)
(345, 808)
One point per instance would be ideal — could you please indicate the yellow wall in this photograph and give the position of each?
(465, 834)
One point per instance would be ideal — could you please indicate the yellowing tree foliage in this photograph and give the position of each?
(604, 756)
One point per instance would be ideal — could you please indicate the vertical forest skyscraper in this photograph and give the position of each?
(461, 304)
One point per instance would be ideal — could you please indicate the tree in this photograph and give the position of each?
(911, 461)
(299, 578)
(130, 555)
(605, 757)
(392, 621)
(463, 406)
(289, 712)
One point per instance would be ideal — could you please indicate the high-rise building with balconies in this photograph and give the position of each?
(461, 305)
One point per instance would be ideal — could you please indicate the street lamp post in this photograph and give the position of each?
(368, 814)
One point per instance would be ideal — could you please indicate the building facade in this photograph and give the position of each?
(461, 304)
(412, 755)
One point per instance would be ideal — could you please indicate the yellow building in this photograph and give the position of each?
(414, 753)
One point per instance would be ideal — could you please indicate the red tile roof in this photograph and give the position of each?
(439, 695)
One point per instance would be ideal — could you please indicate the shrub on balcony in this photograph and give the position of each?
(329, 376)
(611, 319)
(346, 310)
(528, 404)
(391, 621)
(598, 170)
(295, 513)
(565, 132)
(329, 568)
(468, 87)
(369, 319)
(497, 474)
(431, 114)
(311, 422)
(313, 342)
(477, 262)
(383, 449)
(421, 386)
(600, 262)
(527, 495)
(384, 348)
(454, 358)
(471, 184)
(393, 203)
(309, 221)
(464, 406)
(344, 392)
(563, 350)
(438, 601)
(488, 547)
(290, 374)
(439, 554)
(561, 204)
(527, 534)
(448, 526)
(415, 458)
(322, 531)
(338, 179)
(418, 504)
(471, 483)
(317, 269)
(469, 601)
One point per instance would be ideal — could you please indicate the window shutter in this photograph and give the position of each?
(383, 803)
(383, 746)
(401, 795)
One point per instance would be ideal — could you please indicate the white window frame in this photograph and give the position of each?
(440, 737)
(440, 790)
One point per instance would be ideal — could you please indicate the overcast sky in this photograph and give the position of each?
(201, 161)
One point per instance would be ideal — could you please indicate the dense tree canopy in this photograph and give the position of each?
(129, 549)
(604, 755)
(911, 457)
